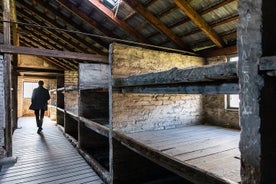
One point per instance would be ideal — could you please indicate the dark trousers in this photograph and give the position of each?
(39, 115)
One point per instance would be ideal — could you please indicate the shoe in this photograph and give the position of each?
(39, 130)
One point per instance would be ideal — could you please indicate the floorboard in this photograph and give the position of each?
(47, 157)
(212, 149)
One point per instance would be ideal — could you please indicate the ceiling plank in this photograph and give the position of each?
(53, 53)
(200, 22)
(99, 5)
(157, 23)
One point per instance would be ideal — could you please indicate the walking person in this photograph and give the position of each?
(39, 104)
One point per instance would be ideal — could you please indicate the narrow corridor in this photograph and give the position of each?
(45, 158)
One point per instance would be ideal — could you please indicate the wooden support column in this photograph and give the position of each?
(15, 39)
(268, 94)
(257, 91)
(7, 78)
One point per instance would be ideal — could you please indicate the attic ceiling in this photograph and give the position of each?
(89, 26)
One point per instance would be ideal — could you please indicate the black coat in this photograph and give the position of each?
(40, 97)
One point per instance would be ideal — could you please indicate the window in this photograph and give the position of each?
(232, 101)
(110, 3)
(28, 89)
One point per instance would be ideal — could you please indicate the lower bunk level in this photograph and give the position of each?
(200, 154)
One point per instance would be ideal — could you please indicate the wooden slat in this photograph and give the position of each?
(45, 158)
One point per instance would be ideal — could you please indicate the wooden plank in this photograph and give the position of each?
(179, 145)
(52, 53)
(226, 71)
(225, 88)
(93, 76)
(100, 129)
(268, 63)
(192, 173)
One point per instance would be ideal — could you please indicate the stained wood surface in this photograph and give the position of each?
(45, 158)
(209, 149)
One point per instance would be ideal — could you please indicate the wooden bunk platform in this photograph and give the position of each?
(201, 153)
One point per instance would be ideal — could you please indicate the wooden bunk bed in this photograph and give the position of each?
(199, 153)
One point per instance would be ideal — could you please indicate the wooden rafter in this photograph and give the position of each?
(41, 19)
(97, 4)
(233, 18)
(212, 8)
(157, 23)
(74, 9)
(200, 22)
(60, 16)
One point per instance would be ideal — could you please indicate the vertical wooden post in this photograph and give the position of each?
(268, 96)
(256, 31)
(15, 39)
(7, 78)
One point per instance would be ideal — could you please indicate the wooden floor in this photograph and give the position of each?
(45, 158)
(210, 149)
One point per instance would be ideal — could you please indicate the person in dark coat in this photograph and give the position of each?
(39, 104)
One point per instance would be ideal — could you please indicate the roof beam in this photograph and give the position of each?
(99, 5)
(73, 9)
(60, 16)
(157, 23)
(204, 12)
(200, 22)
(53, 53)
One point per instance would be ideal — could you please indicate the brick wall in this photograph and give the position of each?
(71, 96)
(138, 112)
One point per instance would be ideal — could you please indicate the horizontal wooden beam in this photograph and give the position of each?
(268, 63)
(53, 53)
(224, 88)
(219, 52)
(27, 69)
(206, 73)
(100, 129)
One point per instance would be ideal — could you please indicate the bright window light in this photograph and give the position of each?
(110, 3)
(232, 101)
(28, 89)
